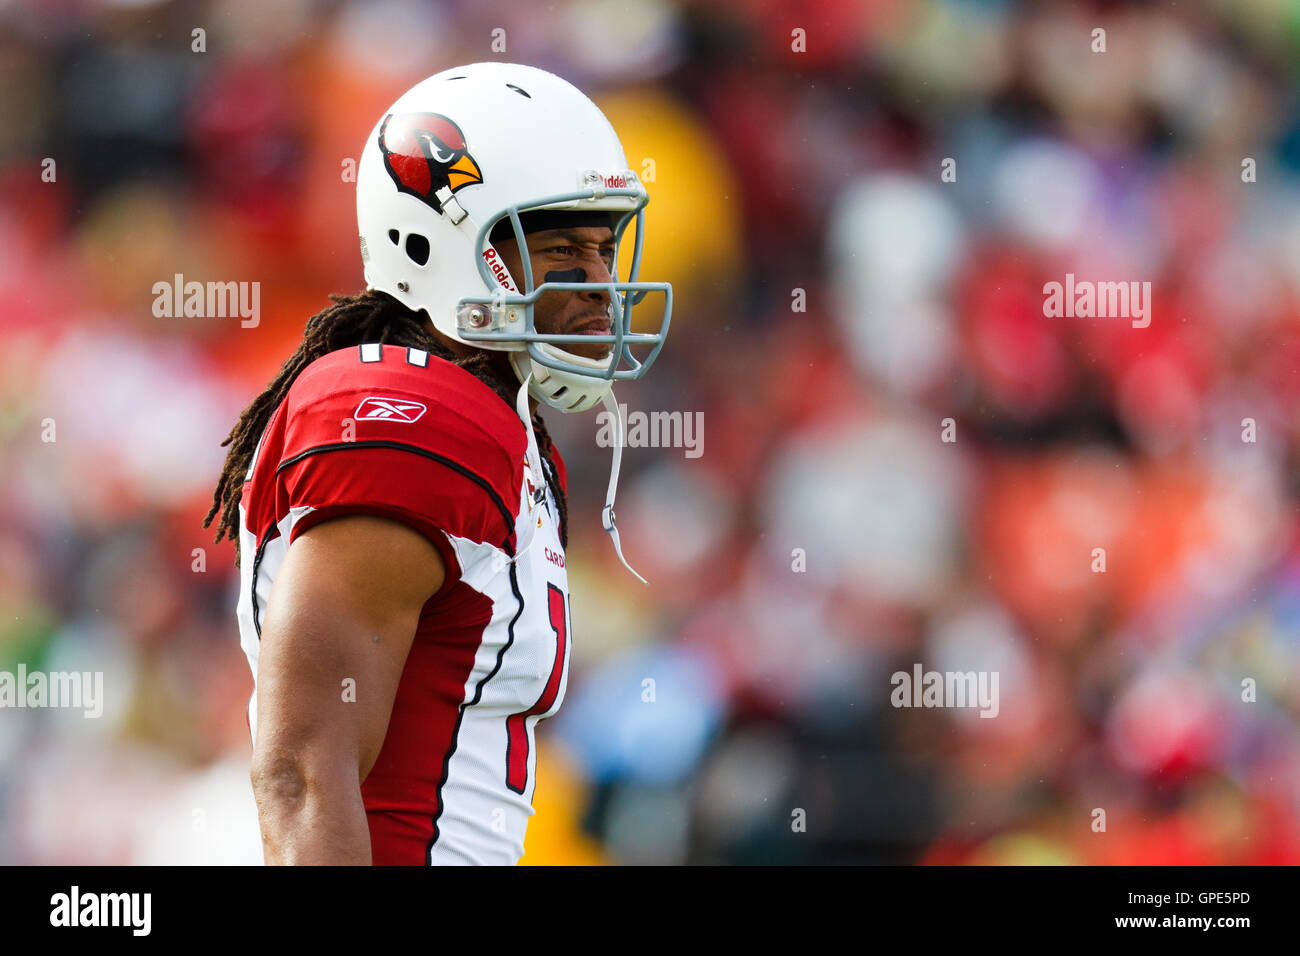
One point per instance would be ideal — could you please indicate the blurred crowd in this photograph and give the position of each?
(905, 461)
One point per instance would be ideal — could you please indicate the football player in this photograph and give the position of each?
(399, 507)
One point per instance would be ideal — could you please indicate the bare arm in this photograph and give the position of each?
(345, 605)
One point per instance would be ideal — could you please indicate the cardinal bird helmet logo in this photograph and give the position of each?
(425, 153)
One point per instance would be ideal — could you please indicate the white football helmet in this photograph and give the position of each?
(473, 146)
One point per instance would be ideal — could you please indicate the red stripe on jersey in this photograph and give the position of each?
(403, 793)
(516, 724)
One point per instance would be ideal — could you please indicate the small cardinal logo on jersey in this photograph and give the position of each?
(425, 152)
(536, 495)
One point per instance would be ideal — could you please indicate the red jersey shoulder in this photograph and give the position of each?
(392, 394)
(393, 432)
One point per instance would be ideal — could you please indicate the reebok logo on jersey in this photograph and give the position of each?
(389, 410)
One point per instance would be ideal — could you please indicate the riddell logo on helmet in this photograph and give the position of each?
(498, 269)
(616, 181)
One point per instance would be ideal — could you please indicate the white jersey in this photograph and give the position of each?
(395, 432)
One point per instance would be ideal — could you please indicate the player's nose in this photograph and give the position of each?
(597, 272)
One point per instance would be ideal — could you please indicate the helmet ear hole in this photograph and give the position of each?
(393, 236)
(417, 248)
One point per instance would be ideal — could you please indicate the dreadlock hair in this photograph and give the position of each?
(353, 320)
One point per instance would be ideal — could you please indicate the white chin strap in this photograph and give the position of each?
(535, 463)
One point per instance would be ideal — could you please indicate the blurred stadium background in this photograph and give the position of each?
(775, 170)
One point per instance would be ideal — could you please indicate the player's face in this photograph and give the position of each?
(557, 253)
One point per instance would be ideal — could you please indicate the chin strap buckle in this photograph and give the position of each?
(607, 514)
(455, 212)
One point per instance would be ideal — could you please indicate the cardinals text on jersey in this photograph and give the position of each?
(395, 432)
